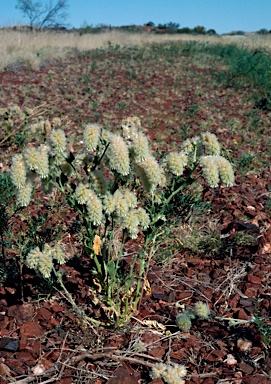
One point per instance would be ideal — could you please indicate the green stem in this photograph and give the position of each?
(186, 182)
(96, 163)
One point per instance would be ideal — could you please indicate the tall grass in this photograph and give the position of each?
(34, 48)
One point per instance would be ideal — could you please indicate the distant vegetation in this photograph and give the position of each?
(167, 28)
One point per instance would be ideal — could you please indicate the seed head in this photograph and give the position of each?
(91, 136)
(143, 217)
(118, 155)
(82, 193)
(140, 147)
(202, 310)
(211, 144)
(210, 170)
(24, 194)
(130, 198)
(109, 204)
(158, 370)
(95, 208)
(225, 171)
(150, 173)
(176, 161)
(33, 258)
(131, 223)
(121, 205)
(58, 140)
(18, 171)
(183, 322)
(31, 157)
(45, 265)
(42, 168)
(58, 254)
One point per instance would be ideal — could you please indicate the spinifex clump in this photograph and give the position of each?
(118, 186)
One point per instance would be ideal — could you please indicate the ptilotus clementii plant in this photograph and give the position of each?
(115, 183)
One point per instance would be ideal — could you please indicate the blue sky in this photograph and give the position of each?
(221, 15)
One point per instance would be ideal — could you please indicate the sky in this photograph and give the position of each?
(221, 15)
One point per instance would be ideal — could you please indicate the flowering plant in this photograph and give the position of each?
(118, 187)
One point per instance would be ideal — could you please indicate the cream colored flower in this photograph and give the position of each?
(118, 155)
(225, 171)
(24, 194)
(58, 140)
(91, 136)
(210, 170)
(176, 161)
(95, 209)
(211, 144)
(18, 171)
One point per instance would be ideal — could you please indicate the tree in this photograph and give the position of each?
(199, 30)
(50, 14)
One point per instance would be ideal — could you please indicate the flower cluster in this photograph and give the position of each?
(215, 169)
(183, 320)
(202, 310)
(211, 143)
(171, 374)
(118, 155)
(58, 140)
(140, 147)
(101, 188)
(42, 261)
(94, 208)
(91, 136)
(18, 171)
(149, 173)
(122, 204)
(176, 162)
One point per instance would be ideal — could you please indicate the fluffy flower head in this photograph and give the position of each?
(121, 205)
(225, 171)
(82, 193)
(45, 265)
(31, 157)
(183, 321)
(18, 171)
(58, 140)
(24, 194)
(33, 258)
(109, 204)
(42, 168)
(91, 136)
(95, 208)
(176, 161)
(150, 173)
(211, 143)
(202, 310)
(140, 147)
(118, 155)
(58, 254)
(210, 170)
(144, 218)
(131, 223)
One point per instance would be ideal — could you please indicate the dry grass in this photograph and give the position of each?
(31, 49)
